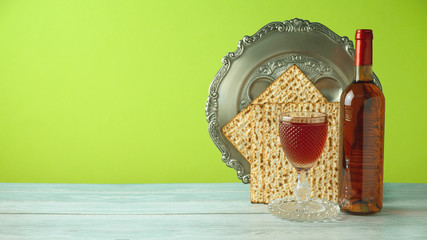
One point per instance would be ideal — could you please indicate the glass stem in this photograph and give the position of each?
(303, 189)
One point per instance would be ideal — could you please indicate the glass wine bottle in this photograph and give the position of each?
(362, 139)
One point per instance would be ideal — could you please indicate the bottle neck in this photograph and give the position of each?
(363, 73)
(363, 55)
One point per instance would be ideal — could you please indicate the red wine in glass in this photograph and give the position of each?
(303, 142)
(303, 137)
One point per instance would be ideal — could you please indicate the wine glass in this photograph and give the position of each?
(303, 137)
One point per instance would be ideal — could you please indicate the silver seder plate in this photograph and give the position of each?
(325, 58)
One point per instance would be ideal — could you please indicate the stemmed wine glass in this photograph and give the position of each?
(303, 137)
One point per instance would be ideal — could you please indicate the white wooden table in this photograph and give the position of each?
(189, 211)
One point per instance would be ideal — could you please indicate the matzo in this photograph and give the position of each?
(254, 133)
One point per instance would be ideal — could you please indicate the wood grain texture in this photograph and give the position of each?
(188, 211)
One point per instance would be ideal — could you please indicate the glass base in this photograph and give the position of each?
(312, 210)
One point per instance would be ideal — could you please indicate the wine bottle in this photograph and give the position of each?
(362, 139)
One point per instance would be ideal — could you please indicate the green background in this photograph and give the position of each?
(114, 91)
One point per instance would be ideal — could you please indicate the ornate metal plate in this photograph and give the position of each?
(326, 58)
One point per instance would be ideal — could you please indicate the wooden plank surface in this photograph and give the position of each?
(188, 211)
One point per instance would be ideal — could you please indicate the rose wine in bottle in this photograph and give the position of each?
(362, 139)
